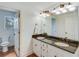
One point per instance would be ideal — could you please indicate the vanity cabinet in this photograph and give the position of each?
(42, 49)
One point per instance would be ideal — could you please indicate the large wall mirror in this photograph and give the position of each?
(65, 25)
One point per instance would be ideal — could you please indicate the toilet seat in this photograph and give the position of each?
(4, 43)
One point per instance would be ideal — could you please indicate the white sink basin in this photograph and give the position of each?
(62, 44)
(40, 38)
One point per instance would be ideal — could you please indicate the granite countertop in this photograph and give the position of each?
(73, 45)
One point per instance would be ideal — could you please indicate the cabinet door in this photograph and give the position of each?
(56, 52)
(37, 47)
(44, 49)
(52, 51)
(62, 53)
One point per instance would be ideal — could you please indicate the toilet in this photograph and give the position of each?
(4, 46)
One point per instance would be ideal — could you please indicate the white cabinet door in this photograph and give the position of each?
(44, 49)
(52, 51)
(56, 52)
(37, 47)
(62, 53)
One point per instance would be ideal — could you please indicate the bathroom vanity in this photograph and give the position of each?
(48, 48)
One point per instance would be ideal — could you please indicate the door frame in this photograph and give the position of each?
(18, 15)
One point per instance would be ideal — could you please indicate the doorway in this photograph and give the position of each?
(9, 32)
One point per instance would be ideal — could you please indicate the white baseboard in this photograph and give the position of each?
(27, 53)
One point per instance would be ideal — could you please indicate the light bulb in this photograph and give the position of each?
(63, 10)
(53, 11)
(69, 6)
(72, 8)
(57, 12)
(44, 14)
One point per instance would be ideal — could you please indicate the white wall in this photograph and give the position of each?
(26, 34)
(43, 25)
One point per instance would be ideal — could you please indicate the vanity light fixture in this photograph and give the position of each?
(70, 7)
(45, 13)
(62, 8)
